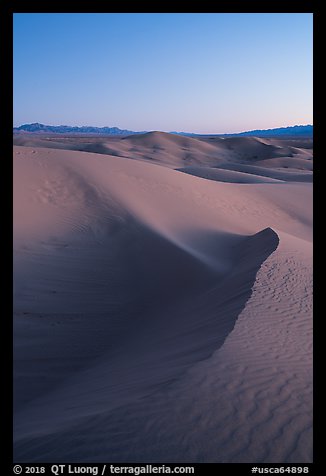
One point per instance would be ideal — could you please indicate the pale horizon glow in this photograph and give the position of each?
(191, 72)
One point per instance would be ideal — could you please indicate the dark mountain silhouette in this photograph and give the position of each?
(42, 128)
(306, 130)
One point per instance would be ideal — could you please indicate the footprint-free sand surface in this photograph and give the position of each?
(162, 299)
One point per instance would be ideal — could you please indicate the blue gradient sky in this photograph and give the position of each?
(195, 72)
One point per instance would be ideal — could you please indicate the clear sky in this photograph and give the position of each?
(194, 72)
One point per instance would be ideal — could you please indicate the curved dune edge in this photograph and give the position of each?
(162, 351)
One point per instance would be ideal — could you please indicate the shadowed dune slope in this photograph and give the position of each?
(163, 342)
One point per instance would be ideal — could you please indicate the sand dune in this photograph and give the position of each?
(287, 175)
(224, 175)
(299, 163)
(180, 152)
(160, 316)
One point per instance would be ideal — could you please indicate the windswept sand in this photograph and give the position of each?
(163, 300)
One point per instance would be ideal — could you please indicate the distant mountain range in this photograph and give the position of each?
(291, 131)
(37, 128)
(42, 128)
(280, 131)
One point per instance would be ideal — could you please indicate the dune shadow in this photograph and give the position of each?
(159, 348)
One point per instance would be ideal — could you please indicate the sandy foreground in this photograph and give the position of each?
(162, 300)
